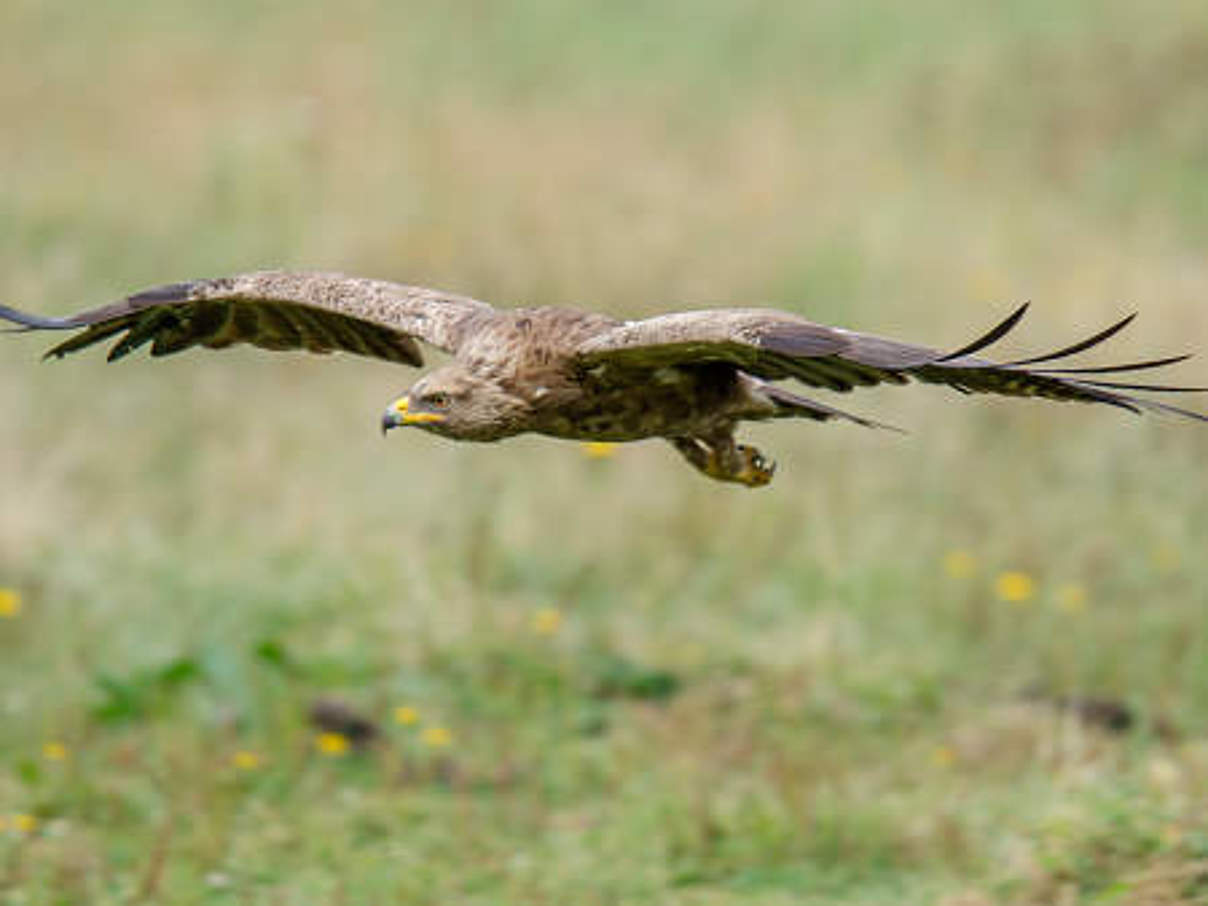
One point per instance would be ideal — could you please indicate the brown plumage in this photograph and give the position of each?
(688, 377)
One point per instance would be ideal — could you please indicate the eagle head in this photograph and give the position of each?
(454, 403)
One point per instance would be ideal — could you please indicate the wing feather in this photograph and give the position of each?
(1081, 345)
(775, 345)
(995, 334)
(277, 310)
(1116, 369)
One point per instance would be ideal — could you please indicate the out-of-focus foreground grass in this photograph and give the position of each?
(620, 683)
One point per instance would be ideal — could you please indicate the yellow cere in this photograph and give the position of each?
(1071, 598)
(10, 603)
(406, 715)
(1014, 587)
(333, 744)
(960, 564)
(246, 760)
(547, 621)
(436, 737)
(402, 404)
(598, 450)
(54, 751)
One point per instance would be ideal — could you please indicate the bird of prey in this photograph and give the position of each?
(690, 377)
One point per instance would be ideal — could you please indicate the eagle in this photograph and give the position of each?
(689, 377)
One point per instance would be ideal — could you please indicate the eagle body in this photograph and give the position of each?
(672, 401)
(689, 377)
(526, 356)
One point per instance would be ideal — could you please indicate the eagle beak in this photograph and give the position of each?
(399, 414)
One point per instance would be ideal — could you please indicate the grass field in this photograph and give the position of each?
(603, 680)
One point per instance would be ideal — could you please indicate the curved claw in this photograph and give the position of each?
(757, 470)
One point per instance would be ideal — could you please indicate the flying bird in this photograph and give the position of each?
(689, 377)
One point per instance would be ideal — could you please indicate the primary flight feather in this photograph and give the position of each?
(689, 377)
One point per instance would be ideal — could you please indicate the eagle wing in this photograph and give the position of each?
(777, 345)
(279, 310)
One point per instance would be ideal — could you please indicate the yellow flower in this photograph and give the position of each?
(598, 450)
(547, 621)
(943, 756)
(1014, 587)
(333, 744)
(246, 760)
(960, 564)
(10, 603)
(1172, 835)
(3, 824)
(436, 737)
(1166, 558)
(24, 824)
(1071, 598)
(406, 715)
(54, 751)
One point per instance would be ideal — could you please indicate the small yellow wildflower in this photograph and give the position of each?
(246, 760)
(943, 756)
(333, 744)
(960, 564)
(547, 621)
(1071, 598)
(10, 603)
(598, 450)
(436, 737)
(1166, 558)
(54, 751)
(1014, 587)
(24, 824)
(406, 715)
(1172, 835)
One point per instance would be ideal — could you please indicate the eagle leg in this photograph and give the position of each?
(719, 457)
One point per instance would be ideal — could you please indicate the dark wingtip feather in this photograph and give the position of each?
(138, 335)
(1081, 345)
(997, 333)
(85, 338)
(1157, 388)
(1106, 392)
(31, 322)
(1167, 409)
(1116, 369)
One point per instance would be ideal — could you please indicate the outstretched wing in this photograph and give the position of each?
(776, 345)
(319, 312)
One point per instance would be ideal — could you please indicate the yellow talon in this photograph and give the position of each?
(756, 471)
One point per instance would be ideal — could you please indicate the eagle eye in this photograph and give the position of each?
(438, 400)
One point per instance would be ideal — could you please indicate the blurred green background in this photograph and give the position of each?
(603, 680)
